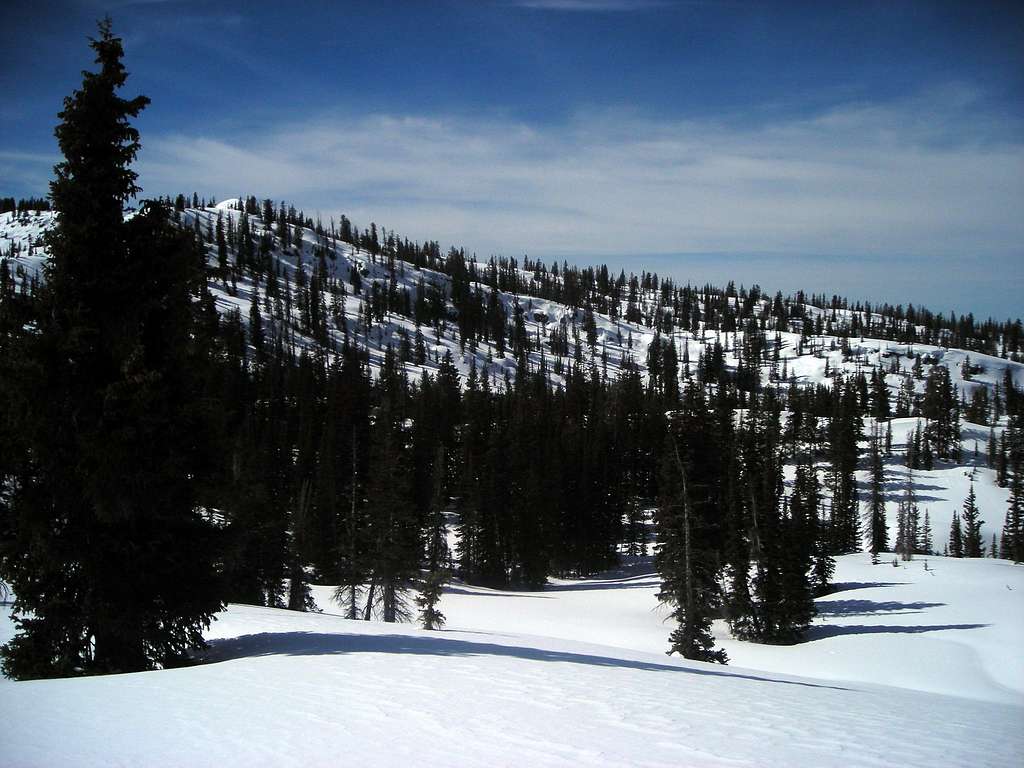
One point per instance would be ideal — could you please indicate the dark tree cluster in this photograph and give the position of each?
(24, 205)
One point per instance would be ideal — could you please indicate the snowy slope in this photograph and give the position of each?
(940, 491)
(904, 665)
(572, 676)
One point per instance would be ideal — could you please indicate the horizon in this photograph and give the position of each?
(872, 152)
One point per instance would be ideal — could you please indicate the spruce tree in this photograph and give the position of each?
(924, 546)
(907, 522)
(956, 537)
(437, 572)
(111, 563)
(797, 542)
(973, 546)
(685, 560)
(393, 556)
(876, 500)
(1013, 527)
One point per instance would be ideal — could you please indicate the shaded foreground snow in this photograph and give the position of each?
(284, 688)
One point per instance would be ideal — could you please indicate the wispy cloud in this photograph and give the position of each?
(29, 170)
(872, 179)
(880, 190)
(932, 184)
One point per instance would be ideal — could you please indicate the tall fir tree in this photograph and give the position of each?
(924, 546)
(1013, 526)
(686, 555)
(907, 519)
(437, 572)
(956, 537)
(879, 528)
(973, 544)
(111, 562)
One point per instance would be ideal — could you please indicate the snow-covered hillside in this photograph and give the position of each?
(940, 491)
(916, 663)
(905, 666)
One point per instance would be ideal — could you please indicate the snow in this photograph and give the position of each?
(906, 666)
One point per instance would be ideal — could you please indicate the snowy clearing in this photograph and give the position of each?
(573, 675)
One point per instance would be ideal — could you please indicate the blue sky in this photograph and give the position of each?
(870, 149)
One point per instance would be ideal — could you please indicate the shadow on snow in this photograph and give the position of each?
(324, 644)
(846, 586)
(869, 607)
(634, 582)
(831, 630)
(458, 589)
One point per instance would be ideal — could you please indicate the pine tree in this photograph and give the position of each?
(437, 551)
(684, 561)
(876, 501)
(394, 555)
(844, 432)
(111, 563)
(1013, 526)
(956, 537)
(907, 522)
(973, 546)
(924, 546)
(798, 546)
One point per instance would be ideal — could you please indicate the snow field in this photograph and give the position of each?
(905, 666)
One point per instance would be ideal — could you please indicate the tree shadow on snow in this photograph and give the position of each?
(490, 592)
(324, 644)
(846, 586)
(645, 581)
(869, 607)
(830, 630)
(895, 490)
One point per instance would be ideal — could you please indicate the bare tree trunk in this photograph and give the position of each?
(354, 587)
(687, 547)
(368, 613)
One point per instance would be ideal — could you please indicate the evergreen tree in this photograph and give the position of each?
(907, 522)
(685, 558)
(844, 434)
(956, 537)
(924, 546)
(109, 558)
(876, 501)
(798, 543)
(1013, 527)
(394, 548)
(973, 546)
(437, 551)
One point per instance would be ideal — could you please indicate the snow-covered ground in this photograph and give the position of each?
(905, 666)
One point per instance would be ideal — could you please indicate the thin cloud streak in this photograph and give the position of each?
(866, 179)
